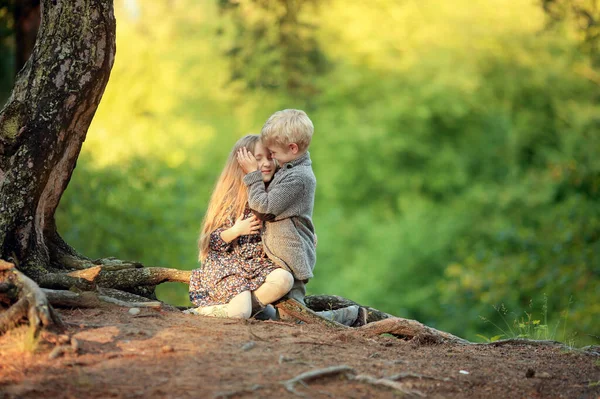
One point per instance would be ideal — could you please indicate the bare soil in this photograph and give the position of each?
(169, 354)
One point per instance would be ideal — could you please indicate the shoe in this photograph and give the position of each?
(361, 318)
(346, 316)
(210, 311)
(267, 313)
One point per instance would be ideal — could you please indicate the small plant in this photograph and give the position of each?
(529, 326)
(490, 339)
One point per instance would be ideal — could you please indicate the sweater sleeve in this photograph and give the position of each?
(278, 199)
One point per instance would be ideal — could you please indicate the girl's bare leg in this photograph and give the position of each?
(277, 284)
(240, 307)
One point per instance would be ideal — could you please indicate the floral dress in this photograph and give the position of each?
(230, 268)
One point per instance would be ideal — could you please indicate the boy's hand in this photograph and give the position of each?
(246, 160)
(247, 226)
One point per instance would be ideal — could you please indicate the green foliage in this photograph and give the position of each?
(456, 151)
(530, 326)
(271, 44)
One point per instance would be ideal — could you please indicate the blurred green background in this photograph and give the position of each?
(456, 148)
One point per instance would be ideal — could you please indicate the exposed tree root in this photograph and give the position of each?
(388, 383)
(131, 278)
(290, 308)
(70, 261)
(521, 341)
(404, 375)
(314, 374)
(124, 277)
(31, 302)
(92, 299)
(350, 373)
(403, 328)
(64, 281)
(89, 274)
(408, 329)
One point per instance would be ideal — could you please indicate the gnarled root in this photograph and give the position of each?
(31, 303)
(295, 310)
(408, 329)
(94, 299)
(130, 278)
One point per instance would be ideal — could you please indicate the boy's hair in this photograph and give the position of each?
(286, 127)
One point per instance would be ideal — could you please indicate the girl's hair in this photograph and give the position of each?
(229, 196)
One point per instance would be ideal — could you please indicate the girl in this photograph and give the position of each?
(235, 274)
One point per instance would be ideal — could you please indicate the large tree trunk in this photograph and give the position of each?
(44, 124)
(42, 128)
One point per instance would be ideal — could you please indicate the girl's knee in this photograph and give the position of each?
(284, 278)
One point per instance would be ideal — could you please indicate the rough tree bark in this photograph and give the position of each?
(44, 123)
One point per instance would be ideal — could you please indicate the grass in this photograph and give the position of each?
(529, 326)
(18, 342)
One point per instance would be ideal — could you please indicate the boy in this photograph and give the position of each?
(287, 204)
(289, 237)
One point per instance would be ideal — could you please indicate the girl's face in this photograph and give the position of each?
(266, 164)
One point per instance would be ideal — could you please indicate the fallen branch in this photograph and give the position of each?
(312, 375)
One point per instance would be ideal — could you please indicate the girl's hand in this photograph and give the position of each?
(246, 160)
(248, 226)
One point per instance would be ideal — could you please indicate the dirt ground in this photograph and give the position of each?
(172, 355)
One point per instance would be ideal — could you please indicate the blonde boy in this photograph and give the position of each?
(289, 236)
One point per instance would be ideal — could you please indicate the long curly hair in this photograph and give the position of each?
(229, 196)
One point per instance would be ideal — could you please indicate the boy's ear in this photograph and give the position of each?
(294, 148)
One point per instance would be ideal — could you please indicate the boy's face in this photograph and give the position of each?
(284, 154)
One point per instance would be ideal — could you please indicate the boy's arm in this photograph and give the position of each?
(279, 198)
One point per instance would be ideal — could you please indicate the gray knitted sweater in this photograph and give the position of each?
(289, 234)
